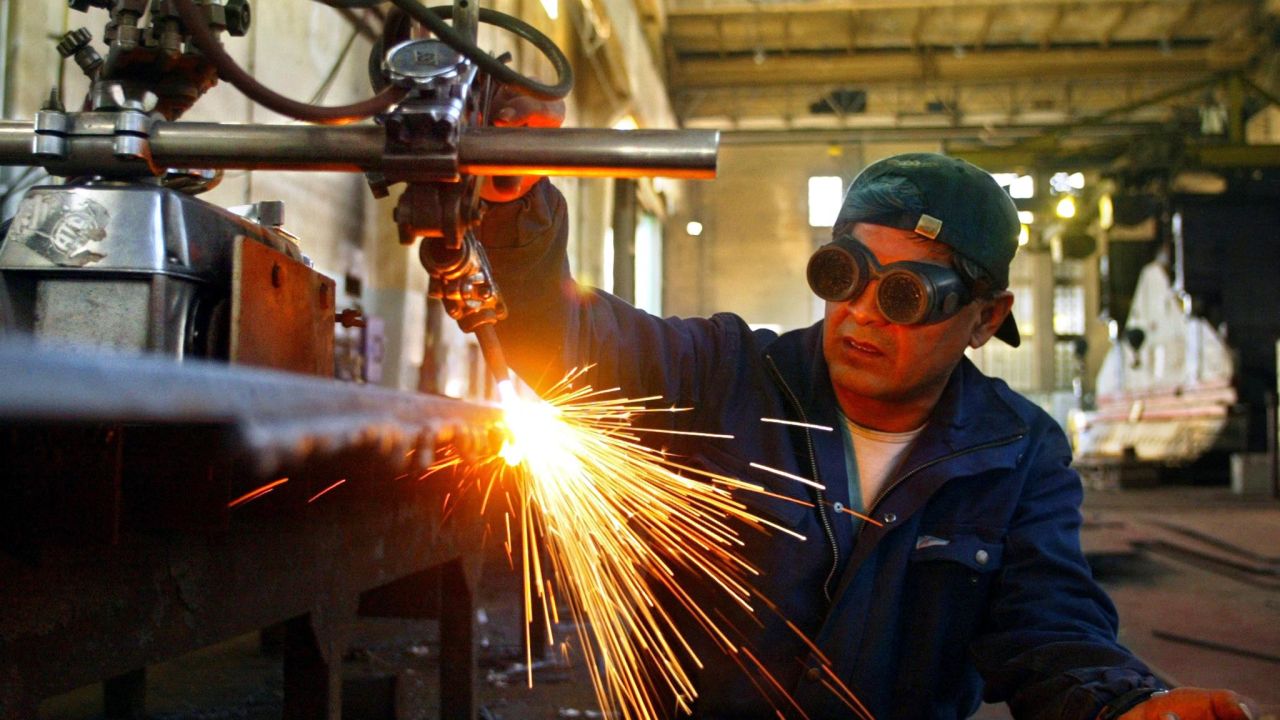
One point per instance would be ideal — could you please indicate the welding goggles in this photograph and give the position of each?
(908, 293)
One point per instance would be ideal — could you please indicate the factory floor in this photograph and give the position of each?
(1195, 573)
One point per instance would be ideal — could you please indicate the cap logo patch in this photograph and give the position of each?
(928, 226)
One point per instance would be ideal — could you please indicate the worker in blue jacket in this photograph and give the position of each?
(968, 581)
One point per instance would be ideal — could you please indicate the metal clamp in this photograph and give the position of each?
(132, 135)
(51, 129)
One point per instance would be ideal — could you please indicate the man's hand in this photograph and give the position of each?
(512, 109)
(1193, 704)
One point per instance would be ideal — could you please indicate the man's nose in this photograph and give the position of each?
(864, 308)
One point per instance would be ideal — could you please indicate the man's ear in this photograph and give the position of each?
(992, 313)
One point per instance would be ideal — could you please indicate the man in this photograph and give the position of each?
(969, 582)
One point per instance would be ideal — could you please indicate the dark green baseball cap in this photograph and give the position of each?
(945, 199)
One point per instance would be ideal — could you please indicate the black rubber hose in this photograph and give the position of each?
(434, 19)
(395, 30)
(244, 82)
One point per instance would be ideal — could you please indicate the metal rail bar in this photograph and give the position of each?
(361, 148)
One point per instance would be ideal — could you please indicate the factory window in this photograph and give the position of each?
(1067, 364)
(825, 194)
(1020, 187)
(1068, 310)
(649, 263)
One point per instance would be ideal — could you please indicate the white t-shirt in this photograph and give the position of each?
(878, 455)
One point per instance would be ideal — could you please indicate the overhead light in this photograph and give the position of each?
(1024, 236)
(1026, 216)
(552, 7)
(1066, 207)
(1106, 212)
(694, 228)
(1066, 182)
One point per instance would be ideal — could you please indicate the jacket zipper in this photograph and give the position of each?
(984, 446)
(813, 466)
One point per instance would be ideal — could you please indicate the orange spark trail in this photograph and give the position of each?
(255, 494)
(860, 516)
(318, 495)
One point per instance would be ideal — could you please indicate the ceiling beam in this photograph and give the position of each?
(1051, 27)
(1179, 25)
(988, 18)
(917, 31)
(1109, 33)
(730, 7)
(786, 35)
(914, 134)
(888, 67)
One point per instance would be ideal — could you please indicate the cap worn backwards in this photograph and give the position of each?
(946, 199)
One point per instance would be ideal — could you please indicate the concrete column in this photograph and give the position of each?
(624, 239)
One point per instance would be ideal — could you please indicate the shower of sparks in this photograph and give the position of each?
(617, 519)
(255, 494)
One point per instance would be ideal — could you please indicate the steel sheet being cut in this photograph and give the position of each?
(273, 417)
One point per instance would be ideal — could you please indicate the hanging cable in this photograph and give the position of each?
(230, 71)
(434, 20)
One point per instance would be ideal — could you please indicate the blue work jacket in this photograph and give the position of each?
(972, 586)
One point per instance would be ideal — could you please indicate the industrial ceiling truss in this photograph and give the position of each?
(892, 64)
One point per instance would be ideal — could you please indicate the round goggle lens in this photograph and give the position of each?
(903, 299)
(832, 273)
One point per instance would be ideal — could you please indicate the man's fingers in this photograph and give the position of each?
(505, 188)
(512, 109)
(524, 111)
(1230, 706)
(505, 117)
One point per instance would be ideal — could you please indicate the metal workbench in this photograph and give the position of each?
(118, 548)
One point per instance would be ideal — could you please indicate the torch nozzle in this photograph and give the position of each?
(494, 358)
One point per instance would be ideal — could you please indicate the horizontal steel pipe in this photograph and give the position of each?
(360, 148)
(589, 153)
(348, 148)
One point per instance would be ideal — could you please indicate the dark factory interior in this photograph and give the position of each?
(639, 359)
